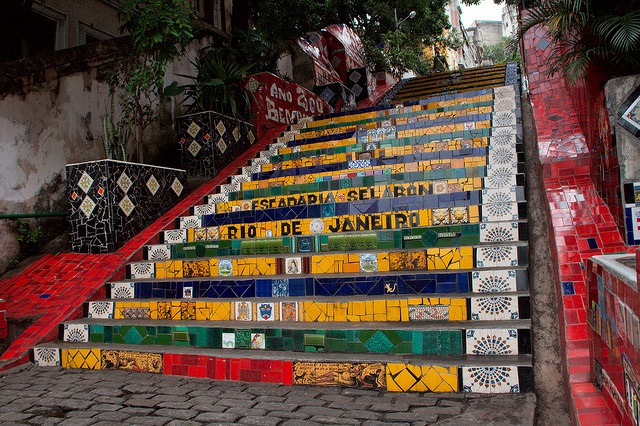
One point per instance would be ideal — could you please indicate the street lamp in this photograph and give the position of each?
(411, 15)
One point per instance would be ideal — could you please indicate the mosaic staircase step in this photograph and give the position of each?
(498, 308)
(431, 259)
(496, 176)
(401, 229)
(482, 338)
(433, 103)
(385, 124)
(444, 283)
(413, 238)
(400, 373)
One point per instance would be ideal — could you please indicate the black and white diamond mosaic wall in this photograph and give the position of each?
(209, 141)
(111, 201)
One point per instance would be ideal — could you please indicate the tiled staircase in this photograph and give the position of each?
(383, 248)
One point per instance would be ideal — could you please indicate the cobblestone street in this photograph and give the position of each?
(32, 395)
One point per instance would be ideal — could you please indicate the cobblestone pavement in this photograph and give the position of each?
(39, 395)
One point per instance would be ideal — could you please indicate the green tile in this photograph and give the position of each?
(393, 337)
(379, 343)
(356, 347)
(444, 340)
(456, 342)
(165, 339)
(403, 348)
(274, 343)
(430, 342)
(313, 340)
(243, 339)
(335, 345)
(365, 335)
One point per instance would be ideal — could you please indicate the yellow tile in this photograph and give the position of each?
(340, 313)
(359, 308)
(380, 317)
(368, 307)
(414, 301)
(440, 379)
(81, 358)
(404, 378)
(379, 306)
(393, 314)
(353, 318)
(404, 313)
(366, 318)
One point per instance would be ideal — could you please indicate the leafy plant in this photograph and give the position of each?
(159, 32)
(501, 52)
(27, 236)
(116, 134)
(588, 32)
(218, 85)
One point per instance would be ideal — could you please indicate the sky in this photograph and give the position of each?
(487, 10)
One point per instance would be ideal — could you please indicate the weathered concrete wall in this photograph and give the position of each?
(617, 91)
(51, 109)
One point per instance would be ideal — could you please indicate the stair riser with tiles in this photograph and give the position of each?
(433, 283)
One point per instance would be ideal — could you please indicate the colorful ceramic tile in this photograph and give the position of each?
(202, 209)
(293, 265)
(225, 267)
(280, 287)
(368, 262)
(502, 155)
(228, 340)
(441, 216)
(81, 358)
(126, 205)
(46, 357)
(266, 311)
(440, 187)
(257, 341)
(152, 185)
(136, 313)
(187, 292)
(124, 182)
(498, 232)
(139, 362)
(142, 270)
(243, 311)
(197, 268)
(175, 236)
(428, 313)
(193, 221)
(493, 281)
(100, 309)
(421, 378)
(288, 311)
(494, 308)
(364, 376)
(496, 256)
(490, 379)
(492, 342)
(500, 177)
(76, 332)
(158, 252)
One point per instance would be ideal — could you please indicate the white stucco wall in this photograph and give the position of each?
(48, 124)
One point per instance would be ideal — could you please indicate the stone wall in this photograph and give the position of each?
(51, 109)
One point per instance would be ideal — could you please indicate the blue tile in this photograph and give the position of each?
(567, 288)
(593, 244)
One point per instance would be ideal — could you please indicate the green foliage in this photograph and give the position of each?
(502, 51)
(27, 236)
(373, 20)
(589, 32)
(159, 32)
(218, 85)
(116, 134)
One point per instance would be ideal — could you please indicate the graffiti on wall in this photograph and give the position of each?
(277, 102)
